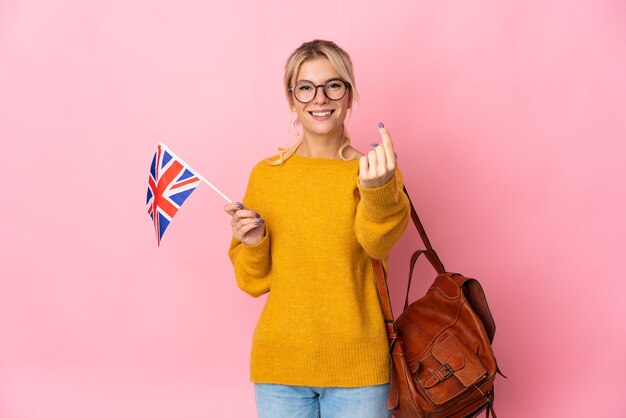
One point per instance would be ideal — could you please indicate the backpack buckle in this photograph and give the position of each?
(447, 371)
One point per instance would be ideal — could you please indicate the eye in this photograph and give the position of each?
(304, 87)
(334, 85)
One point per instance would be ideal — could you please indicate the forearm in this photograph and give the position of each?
(252, 264)
(382, 216)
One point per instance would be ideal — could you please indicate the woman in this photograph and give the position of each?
(305, 231)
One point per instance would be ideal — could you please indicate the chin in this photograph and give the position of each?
(324, 130)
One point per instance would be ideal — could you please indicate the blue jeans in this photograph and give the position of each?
(287, 401)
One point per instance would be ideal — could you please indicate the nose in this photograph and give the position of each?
(320, 96)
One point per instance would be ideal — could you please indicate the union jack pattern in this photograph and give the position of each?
(170, 183)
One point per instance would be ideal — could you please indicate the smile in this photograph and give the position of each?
(322, 114)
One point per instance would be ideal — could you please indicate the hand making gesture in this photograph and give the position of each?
(378, 166)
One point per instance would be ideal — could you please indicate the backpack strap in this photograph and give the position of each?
(430, 254)
(381, 276)
(390, 326)
(385, 301)
(393, 397)
(490, 406)
(414, 257)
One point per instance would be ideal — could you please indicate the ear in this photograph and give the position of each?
(350, 99)
(292, 104)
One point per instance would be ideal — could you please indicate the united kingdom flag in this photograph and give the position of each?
(170, 183)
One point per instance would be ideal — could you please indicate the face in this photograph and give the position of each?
(321, 116)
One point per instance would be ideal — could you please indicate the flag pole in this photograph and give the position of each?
(196, 173)
(214, 188)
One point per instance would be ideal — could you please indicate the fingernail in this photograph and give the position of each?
(239, 205)
(381, 125)
(373, 145)
(260, 221)
(258, 216)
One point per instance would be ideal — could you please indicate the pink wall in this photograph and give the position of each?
(509, 122)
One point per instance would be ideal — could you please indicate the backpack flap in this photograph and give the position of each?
(475, 295)
(456, 368)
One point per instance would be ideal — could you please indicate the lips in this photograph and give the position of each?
(321, 114)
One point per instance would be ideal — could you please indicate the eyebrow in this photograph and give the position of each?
(332, 78)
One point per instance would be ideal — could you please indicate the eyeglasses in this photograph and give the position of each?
(334, 89)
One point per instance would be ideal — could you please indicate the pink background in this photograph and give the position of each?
(509, 121)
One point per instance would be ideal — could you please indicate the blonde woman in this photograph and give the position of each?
(311, 220)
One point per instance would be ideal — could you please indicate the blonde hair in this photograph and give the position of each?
(339, 59)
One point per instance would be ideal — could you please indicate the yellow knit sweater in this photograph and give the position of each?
(322, 324)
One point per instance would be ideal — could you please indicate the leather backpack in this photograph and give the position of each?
(442, 363)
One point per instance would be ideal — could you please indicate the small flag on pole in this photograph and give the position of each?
(170, 183)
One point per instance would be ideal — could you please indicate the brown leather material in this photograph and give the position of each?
(392, 399)
(442, 363)
(447, 369)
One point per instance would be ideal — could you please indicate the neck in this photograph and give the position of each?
(321, 146)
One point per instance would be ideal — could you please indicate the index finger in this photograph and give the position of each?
(387, 142)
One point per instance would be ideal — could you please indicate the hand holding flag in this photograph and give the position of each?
(247, 225)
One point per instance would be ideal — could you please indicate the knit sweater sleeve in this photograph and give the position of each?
(252, 263)
(382, 216)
